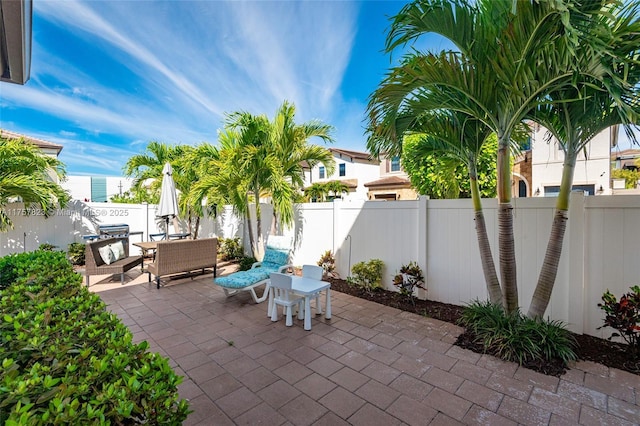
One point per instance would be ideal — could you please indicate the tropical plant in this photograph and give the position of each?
(76, 253)
(367, 275)
(624, 316)
(576, 114)
(515, 337)
(47, 247)
(26, 176)
(320, 191)
(327, 262)
(444, 176)
(509, 57)
(230, 248)
(259, 158)
(246, 262)
(409, 278)
(631, 177)
(146, 169)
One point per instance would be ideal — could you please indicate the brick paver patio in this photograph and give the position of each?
(369, 365)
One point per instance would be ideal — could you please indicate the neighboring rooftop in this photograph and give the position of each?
(388, 181)
(352, 155)
(40, 143)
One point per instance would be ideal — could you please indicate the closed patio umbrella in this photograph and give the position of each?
(168, 206)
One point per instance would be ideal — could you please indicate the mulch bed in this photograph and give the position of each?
(589, 348)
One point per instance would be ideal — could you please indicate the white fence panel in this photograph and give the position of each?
(601, 247)
(612, 253)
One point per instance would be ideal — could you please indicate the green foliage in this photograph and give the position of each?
(67, 360)
(624, 316)
(440, 176)
(515, 337)
(409, 278)
(230, 249)
(321, 191)
(76, 253)
(25, 174)
(631, 177)
(367, 275)
(47, 247)
(327, 261)
(246, 262)
(136, 196)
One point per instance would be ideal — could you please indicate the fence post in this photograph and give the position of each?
(575, 233)
(422, 229)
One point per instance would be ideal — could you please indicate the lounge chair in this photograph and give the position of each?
(276, 259)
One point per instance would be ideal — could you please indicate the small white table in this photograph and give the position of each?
(308, 288)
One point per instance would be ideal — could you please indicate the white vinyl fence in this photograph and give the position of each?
(601, 246)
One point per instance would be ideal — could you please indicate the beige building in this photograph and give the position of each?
(393, 184)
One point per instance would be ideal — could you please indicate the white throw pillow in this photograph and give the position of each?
(118, 250)
(107, 255)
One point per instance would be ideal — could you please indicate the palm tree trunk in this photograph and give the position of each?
(252, 241)
(488, 266)
(195, 231)
(506, 242)
(549, 271)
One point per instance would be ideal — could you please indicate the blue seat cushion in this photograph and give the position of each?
(275, 256)
(243, 279)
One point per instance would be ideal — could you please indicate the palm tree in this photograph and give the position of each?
(25, 175)
(146, 170)
(289, 143)
(317, 192)
(456, 138)
(510, 54)
(261, 158)
(575, 115)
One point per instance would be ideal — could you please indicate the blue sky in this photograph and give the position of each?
(107, 77)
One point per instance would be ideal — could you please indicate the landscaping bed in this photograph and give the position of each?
(589, 348)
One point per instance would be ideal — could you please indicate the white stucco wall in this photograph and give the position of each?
(547, 160)
(362, 171)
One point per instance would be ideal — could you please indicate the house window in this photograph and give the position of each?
(321, 172)
(343, 170)
(395, 164)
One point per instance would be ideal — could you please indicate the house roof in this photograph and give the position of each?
(389, 181)
(42, 144)
(625, 154)
(352, 155)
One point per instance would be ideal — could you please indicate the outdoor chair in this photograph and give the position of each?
(315, 273)
(157, 237)
(285, 297)
(276, 259)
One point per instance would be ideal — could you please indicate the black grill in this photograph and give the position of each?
(118, 230)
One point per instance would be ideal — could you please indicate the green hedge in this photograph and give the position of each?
(66, 360)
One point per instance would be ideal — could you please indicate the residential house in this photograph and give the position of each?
(48, 148)
(592, 170)
(353, 168)
(96, 188)
(628, 159)
(393, 182)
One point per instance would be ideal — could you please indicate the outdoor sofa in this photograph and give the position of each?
(109, 256)
(183, 256)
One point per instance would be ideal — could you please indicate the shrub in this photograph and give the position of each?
(231, 249)
(76, 253)
(246, 262)
(367, 275)
(515, 337)
(67, 360)
(327, 262)
(47, 247)
(409, 278)
(624, 316)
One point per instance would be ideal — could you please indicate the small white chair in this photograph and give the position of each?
(284, 296)
(315, 273)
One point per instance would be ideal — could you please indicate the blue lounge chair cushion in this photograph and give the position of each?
(274, 256)
(243, 278)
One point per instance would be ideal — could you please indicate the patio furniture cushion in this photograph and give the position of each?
(107, 255)
(243, 279)
(275, 260)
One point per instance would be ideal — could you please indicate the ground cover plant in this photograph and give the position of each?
(67, 360)
(587, 348)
